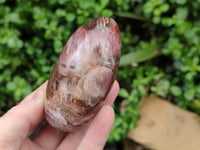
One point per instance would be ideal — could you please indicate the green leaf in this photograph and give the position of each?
(58, 46)
(165, 7)
(148, 7)
(156, 19)
(181, 2)
(63, 2)
(162, 88)
(189, 94)
(197, 103)
(176, 91)
(157, 12)
(142, 90)
(40, 23)
(123, 93)
(138, 56)
(2, 1)
(107, 13)
(14, 17)
(60, 12)
(11, 43)
(104, 3)
(84, 4)
(189, 76)
(182, 13)
(81, 20)
(167, 22)
(131, 16)
(70, 17)
(17, 94)
(11, 86)
(5, 60)
(15, 62)
(119, 2)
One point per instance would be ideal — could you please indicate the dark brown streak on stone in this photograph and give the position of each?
(69, 82)
(72, 81)
(60, 76)
(63, 65)
(90, 25)
(56, 85)
(109, 60)
(98, 53)
(72, 67)
(69, 96)
(116, 58)
(100, 22)
(97, 50)
(78, 102)
(71, 105)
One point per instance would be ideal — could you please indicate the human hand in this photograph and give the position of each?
(19, 122)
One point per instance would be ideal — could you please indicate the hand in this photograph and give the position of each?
(19, 122)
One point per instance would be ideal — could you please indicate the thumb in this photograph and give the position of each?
(22, 119)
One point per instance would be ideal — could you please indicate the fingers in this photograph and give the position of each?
(29, 145)
(112, 94)
(49, 137)
(30, 96)
(20, 121)
(73, 139)
(99, 130)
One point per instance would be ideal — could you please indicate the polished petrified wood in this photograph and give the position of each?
(84, 74)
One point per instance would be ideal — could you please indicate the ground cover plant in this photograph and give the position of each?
(160, 49)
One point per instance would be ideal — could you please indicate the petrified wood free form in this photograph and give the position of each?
(83, 74)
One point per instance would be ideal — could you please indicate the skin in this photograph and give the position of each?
(20, 121)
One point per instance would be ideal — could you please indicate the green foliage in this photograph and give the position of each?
(33, 35)
(143, 52)
(160, 49)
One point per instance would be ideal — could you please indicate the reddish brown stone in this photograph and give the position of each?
(84, 74)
